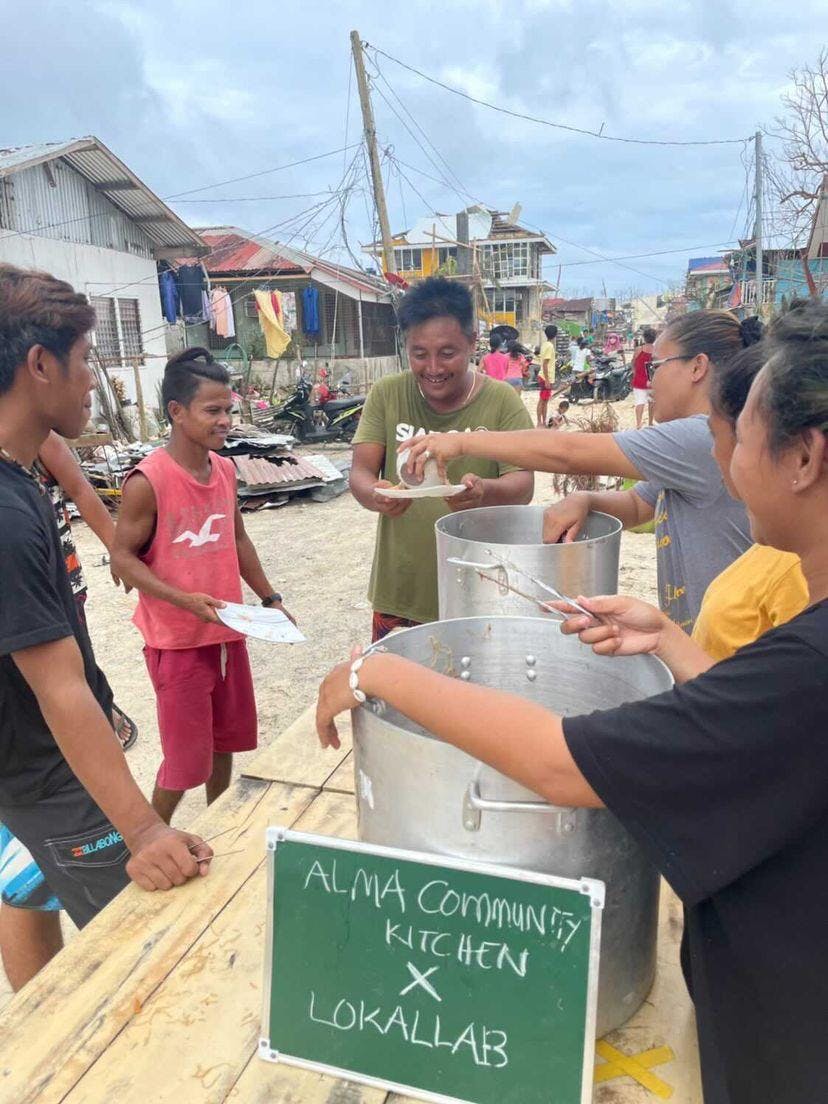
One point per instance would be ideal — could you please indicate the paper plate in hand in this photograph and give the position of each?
(444, 490)
(262, 623)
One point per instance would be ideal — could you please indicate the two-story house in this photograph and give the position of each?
(504, 262)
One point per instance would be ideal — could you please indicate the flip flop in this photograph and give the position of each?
(125, 728)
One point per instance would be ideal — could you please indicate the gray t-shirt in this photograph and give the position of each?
(700, 530)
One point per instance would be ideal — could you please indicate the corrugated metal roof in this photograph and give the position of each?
(112, 179)
(235, 250)
(708, 266)
(232, 250)
(263, 474)
(484, 225)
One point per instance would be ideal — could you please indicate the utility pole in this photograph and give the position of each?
(389, 261)
(757, 228)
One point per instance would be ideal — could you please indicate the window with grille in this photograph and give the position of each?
(131, 342)
(117, 329)
(106, 329)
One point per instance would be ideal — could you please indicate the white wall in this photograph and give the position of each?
(97, 271)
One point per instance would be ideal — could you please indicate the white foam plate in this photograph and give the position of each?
(442, 491)
(264, 624)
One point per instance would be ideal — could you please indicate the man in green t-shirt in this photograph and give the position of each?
(441, 393)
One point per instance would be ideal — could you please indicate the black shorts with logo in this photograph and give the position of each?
(82, 856)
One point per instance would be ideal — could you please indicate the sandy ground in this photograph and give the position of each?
(318, 555)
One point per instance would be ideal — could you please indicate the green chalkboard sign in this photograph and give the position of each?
(443, 979)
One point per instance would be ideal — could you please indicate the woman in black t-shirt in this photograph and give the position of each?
(723, 780)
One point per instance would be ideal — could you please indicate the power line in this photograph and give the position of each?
(548, 122)
(253, 199)
(658, 253)
(557, 237)
(262, 172)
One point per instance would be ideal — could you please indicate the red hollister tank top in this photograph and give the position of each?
(193, 549)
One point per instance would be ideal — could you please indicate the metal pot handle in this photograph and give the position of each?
(474, 805)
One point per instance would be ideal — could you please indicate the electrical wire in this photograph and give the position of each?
(262, 172)
(253, 199)
(548, 122)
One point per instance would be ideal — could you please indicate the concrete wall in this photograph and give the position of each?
(104, 272)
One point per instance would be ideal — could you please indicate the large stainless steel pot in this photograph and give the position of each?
(415, 791)
(502, 536)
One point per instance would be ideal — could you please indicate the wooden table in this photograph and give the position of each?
(159, 998)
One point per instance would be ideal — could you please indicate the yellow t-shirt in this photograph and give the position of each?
(547, 353)
(761, 589)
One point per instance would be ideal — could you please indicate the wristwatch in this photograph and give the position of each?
(271, 600)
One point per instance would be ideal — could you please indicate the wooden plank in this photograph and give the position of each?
(193, 1038)
(295, 756)
(332, 814)
(342, 778)
(110, 969)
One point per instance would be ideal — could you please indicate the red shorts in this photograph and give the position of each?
(546, 394)
(384, 623)
(205, 704)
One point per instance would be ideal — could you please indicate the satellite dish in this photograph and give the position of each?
(514, 214)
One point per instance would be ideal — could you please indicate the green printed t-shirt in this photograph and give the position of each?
(404, 573)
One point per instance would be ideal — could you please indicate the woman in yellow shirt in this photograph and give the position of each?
(764, 587)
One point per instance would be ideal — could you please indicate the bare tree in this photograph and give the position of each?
(796, 176)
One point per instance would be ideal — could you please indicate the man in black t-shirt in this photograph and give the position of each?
(65, 789)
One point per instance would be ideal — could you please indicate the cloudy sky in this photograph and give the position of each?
(191, 93)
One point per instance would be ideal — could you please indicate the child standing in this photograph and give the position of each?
(181, 541)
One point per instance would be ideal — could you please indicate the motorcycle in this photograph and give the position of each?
(613, 379)
(336, 419)
(608, 380)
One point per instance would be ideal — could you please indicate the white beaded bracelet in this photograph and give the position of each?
(353, 678)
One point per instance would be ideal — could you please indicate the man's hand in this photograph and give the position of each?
(563, 521)
(163, 857)
(390, 507)
(117, 580)
(472, 496)
(202, 606)
(287, 613)
(441, 447)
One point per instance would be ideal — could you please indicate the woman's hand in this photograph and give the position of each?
(629, 626)
(441, 447)
(563, 521)
(472, 496)
(335, 697)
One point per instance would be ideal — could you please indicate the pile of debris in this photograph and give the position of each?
(269, 472)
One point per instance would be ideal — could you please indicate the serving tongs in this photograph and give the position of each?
(506, 566)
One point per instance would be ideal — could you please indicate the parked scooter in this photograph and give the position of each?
(336, 419)
(608, 380)
(613, 379)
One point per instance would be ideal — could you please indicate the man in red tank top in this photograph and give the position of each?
(181, 542)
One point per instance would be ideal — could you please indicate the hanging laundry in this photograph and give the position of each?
(310, 310)
(224, 323)
(276, 339)
(168, 287)
(289, 311)
(191, 283)
(276, 299)
(207, 309)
